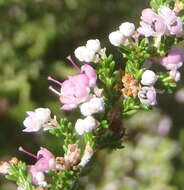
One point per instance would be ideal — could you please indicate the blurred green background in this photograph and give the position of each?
(35, 38)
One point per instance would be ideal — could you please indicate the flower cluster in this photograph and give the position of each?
(165, 22)
(103, 93)
(123, 35)
(88, 53)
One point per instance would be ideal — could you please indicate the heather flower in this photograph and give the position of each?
(90, 73)
(147, 95)
(89, 52)
(148, 78)
(174, 24)
(85, 125)
(84, 54)
(151, 24)
(94, 105)
(76, 89)
(116, 38)
(174, 59)
(38, 177)
(46, 160)
(36, 119)
(79, 53)
(93, 45)
(127, 29)
(73, 154)
(4, 167)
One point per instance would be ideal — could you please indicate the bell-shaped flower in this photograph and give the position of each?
(148, 78)
(45, 160)
(89, 52)
(90, 73)
(151, 24)
(174, 24)
(76, 89)
(174, 60)
(127, 29)
(38, 177)
(93, 45)
(36, 119)
(147, 95)
(94, 105)
(116, 38)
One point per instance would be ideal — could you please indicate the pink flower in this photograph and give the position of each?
(76, 89)
(36, 119)
(151, 24)
(45, 162)
(174, 24)
(173, 60)
(90, 73)
(38, 177)
(147, 95)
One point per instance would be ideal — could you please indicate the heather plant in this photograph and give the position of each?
(104, 92)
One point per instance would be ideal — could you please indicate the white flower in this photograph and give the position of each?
(40, 177)
(127, 29)
(94, 105)
(84, 54)
(79, 53)
(176, 75)
(116, 38)
(148, 78)
(85, 125)
(36, 119)
(93, 45)
(42, 114)
(89, 55)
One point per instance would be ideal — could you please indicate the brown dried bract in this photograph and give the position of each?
(73, 154)
(60, 163)
(131, 86)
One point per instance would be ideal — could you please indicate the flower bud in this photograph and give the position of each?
(116, 38)
(127, 29)
(94, 105)
(93, 45)
(148, 78)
